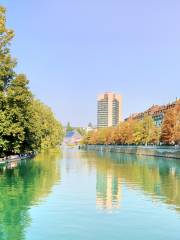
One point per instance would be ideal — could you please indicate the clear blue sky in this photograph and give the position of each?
(71, 50)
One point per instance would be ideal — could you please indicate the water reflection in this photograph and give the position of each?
(108, 190)
(90, 180)
(22, 186)
(158, 178)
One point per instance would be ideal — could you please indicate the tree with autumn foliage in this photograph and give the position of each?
(124, 133)
(177, 126)
(131, 132)
(168, 128)
(149, 131)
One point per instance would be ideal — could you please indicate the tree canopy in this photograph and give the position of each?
(26, 124)
(140, 132)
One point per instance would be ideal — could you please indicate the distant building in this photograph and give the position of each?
(90, 128)
(157, 112)
(72, 138)
(109, 110)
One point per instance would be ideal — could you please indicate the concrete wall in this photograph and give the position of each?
(166, 152)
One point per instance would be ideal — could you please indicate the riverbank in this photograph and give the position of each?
(155, 151)
(12, 158)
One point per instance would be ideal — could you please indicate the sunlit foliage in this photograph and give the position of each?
(171, 126)
(131, 132)
(26, 125)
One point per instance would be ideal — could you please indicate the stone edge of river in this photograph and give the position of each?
(155, 151)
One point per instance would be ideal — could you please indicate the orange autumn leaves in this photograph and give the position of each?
(142, 132)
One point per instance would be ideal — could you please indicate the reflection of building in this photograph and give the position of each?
(108, 191)
(109, 112)
(157, 112)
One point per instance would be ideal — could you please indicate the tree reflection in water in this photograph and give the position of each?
(157, 177)
(22, 187)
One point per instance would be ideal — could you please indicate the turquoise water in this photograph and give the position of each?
(86, 195)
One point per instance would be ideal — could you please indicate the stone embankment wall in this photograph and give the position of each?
(166, 152)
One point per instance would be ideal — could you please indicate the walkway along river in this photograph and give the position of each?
(75, 194)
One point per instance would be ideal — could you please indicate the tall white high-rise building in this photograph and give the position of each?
(109, 110)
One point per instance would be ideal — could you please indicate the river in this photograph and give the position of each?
(77, 195)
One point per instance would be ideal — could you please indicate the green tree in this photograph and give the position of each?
(19, 114)
(26, 125)
(7, 63)
(49, 130)
(69, 128)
